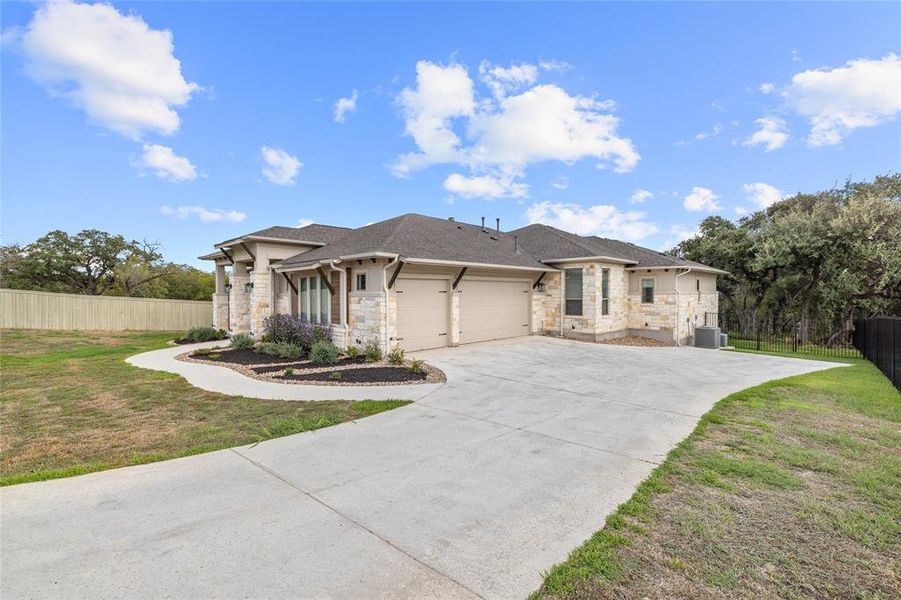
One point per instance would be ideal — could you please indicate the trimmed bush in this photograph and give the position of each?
(372, 352)
(289, 371)
(280, 349)
(396, 356)
(417, 366)
(335, 376)
(324, 353)
(205, 334)
(352, 352)
(294, 330)
(242, 341)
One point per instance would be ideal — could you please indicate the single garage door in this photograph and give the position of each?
(422, 313)
(493, 309)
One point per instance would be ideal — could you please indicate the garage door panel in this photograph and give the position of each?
(493, 309)
(422, 313)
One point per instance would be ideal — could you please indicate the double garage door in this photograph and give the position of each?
(490, 309)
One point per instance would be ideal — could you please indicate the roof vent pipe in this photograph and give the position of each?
(515, 244)
(498, 219)
(483, 224)
(451, 219)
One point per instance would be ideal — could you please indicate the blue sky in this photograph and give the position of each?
(563, 113)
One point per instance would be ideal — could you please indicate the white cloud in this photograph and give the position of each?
(767, 88)
(560, 183)
(772, 132)
(701, 199)
(304, 222)
(561, 66)
(485, 186)
(863, 93)
(600, 219)
(166, 164)
(678, 234)
(714, 132)
(120, 71)
(640, 195)
(502, 80)
(741, 211)
(763, 195)
(206, 215)
(281, 168)
(507, 132)
(344, 106)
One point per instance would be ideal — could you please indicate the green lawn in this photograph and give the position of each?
(788, 489)
(70, 404)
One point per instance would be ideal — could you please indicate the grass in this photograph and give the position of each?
(70, 404)
(788, 489)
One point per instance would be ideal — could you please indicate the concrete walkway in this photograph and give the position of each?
(228, 381)
(473, 491)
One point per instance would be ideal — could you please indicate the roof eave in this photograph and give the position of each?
(611, 259)
(260, 238)
(702, 269)
(458, 263)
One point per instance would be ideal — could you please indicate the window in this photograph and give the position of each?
(314, 299)
(574, 291)
(605, 291)
(361, 282)
(304, 298)
(324, 303)
(698, 287)
(647, 291)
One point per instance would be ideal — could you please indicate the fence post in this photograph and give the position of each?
(758, 338)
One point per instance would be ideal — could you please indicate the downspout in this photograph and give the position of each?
(390, 263)
(562, 300)
(679, 304)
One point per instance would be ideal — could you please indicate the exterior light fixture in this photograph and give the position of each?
(248, 287)
(228, 287)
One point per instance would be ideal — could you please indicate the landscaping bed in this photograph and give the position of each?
(302, 366)
(240, 357)
(365, 374)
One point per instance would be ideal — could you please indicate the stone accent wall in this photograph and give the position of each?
(658, 317)
(367, 319)
(691, 313)
(546, 305)
(260, 298)
(220, 310)
(239, 302)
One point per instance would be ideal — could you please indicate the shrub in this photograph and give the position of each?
(289, 371)
(242, 341)
(205, 334)
(324, 353)
(214, 356)
(352, 351)
(280, 349)
(203, 351)
(335, 376)
(372, 352)
(294, 330)
(396, 356)
(417, 366)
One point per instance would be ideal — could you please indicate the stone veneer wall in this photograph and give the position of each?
(220, 310)
(655, 320)
(591, 324)
(546, 305)
(239, 303)
(691, 313)
(367, 319)
(260, 298)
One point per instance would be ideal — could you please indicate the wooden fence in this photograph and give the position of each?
(21, 309)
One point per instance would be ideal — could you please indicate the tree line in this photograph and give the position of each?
(97, 263)
(810, 263)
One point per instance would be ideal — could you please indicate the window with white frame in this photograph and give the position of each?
(314, 300)
(574, 292)
(647, 290)
(605, 291)
(361, 282)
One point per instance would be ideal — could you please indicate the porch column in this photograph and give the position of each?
(260, 295)
(239, 300)
(220, 300)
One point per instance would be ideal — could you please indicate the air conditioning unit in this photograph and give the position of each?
(707, 337)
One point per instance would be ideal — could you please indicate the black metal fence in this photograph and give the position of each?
(822, 339)
(879, 340)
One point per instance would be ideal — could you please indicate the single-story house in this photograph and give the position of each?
(421, 282)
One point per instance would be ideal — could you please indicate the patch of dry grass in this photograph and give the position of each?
(69, 404)
(788, 489)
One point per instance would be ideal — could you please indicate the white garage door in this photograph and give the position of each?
(422, 313)
(493, 309)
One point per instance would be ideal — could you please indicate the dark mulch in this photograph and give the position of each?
(300, 366)
(243, 357)
(182, 341)
(362, 375)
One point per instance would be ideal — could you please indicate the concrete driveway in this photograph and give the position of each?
(472, 491)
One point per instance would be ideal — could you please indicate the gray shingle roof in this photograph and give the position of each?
(419, 236)
(322, 234)
(549, 243)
